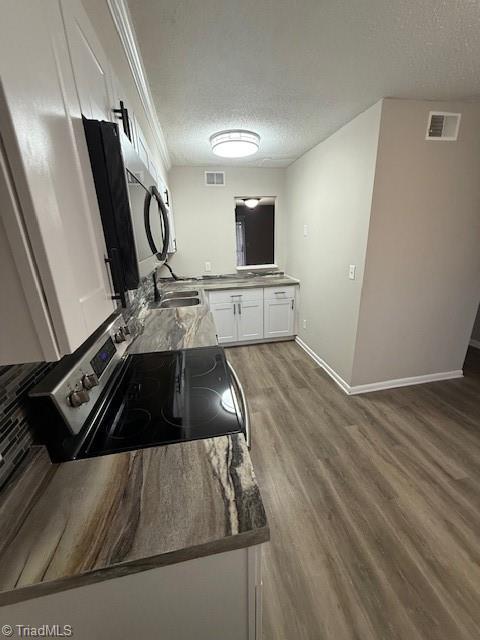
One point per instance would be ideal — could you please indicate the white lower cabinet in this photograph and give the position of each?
(247, 315)
(250, 320)
(224, 314)
(279, 318)
(217, 597)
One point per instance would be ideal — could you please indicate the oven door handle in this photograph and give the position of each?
(246, 413)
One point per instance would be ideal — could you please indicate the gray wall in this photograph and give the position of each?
(476, 327)
(422, 276)
(205, 216)
(329, 189)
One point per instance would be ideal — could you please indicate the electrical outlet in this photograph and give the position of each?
(208, 266)
(305, 230)
(352, 271)
(304, 324)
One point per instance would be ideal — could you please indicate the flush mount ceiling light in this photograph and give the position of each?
(235, 143)
(251, 203)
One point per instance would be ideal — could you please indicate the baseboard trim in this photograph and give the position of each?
(475, 344)
(326, 367)
(246, 343)
(377, 386)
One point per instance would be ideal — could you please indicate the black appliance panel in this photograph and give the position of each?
(110, 184)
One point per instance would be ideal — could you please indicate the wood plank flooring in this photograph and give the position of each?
(373, 502)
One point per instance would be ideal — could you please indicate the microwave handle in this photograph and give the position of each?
(166, 225)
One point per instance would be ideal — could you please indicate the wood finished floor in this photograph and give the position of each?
(373, 502)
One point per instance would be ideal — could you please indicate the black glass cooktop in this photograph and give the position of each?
(167, 397)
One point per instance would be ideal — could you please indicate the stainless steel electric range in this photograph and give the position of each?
(102, 400)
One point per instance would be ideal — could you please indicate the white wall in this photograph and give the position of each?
(205, 216)
(329, 189)
(422, 278)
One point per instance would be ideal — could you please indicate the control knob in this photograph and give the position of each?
(119, 336)
(77, 397)
(89, 381)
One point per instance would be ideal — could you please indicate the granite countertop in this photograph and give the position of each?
(231, 281)
(65, 525)
(190, 327)
(70, 524)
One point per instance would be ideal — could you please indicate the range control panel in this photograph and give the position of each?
(80, 386)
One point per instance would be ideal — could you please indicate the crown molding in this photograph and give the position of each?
(123, 23)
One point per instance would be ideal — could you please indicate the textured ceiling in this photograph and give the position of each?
(295, 71)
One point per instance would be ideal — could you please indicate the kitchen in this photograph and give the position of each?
(237, 397)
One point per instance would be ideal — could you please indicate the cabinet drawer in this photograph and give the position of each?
(235, 295)
(280, 293)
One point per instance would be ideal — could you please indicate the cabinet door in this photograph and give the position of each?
(250, 320)
(49, 166)
(279, 316)
(225, 316)
(90, 66)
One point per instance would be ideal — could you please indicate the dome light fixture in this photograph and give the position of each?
(251, 203)
(235, 143)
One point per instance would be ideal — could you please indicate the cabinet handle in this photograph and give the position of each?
(292, 303)
(234, 308)
(239, 309)
(122, 114)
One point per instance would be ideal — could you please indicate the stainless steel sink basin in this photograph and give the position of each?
(178, 302)
(179, 294)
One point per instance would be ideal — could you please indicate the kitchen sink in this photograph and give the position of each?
(173, 303)
(179, 294)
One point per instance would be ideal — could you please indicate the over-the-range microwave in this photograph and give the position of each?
(135, 217)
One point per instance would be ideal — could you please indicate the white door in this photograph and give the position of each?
(225, 316)
(250, 320)
(279, 318)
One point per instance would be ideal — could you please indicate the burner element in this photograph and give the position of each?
(201, 366)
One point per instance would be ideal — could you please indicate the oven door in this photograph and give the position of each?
(241, 402)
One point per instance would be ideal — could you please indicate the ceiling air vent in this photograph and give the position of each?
(215, 178)
(443, 126)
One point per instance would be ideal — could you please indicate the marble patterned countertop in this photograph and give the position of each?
(65, 525)
(189, 327)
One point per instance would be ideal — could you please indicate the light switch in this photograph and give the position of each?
(305, 230)
(351, 271)
(208, 266)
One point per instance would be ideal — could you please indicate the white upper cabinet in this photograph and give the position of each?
(51, 230)
(90, 66)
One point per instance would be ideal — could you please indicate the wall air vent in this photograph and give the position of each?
(215, 178)
(443, 126)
